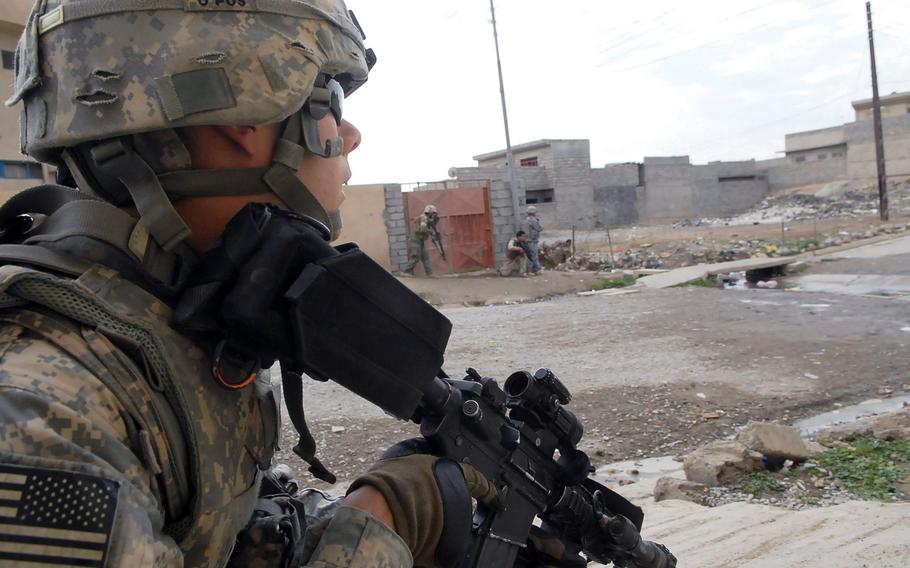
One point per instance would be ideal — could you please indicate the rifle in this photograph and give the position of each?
(511, 434)
(437, 239)
(333, 313)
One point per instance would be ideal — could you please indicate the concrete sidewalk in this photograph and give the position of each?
(743, 535)
(871, 248)
(689, 273)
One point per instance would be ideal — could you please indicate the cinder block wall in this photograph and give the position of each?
(615, 194)
(396, 226)
(668, 188)
(784, 172)
(573, 184)
(861, 147)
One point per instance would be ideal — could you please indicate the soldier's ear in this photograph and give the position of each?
(243, 138)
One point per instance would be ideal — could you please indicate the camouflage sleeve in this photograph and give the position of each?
(354, 539)
(73, 492)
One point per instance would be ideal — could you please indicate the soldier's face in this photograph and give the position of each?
(326, 177)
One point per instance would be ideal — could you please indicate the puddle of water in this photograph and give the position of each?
(849, 414)
(637, 470)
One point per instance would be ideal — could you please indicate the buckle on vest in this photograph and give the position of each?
(231, 369)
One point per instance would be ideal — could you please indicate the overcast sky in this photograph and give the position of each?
(717, 80)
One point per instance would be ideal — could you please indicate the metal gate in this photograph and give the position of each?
(465, 222)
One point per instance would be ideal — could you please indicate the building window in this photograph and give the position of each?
(529, 162)
(736, 178)
(539, 196)
(822, 156)
(799, 159)
(9, 59)
(21, 170)
(837, 154)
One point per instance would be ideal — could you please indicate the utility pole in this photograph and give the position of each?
(877, 125)
(505, 121)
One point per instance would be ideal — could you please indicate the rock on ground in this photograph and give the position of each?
(775, 441)
(892, 426)
(720, 462)
(675, 488)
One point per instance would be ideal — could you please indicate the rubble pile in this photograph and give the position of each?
(835, 200)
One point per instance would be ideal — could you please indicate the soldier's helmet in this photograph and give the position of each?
(105, 83)
(532, 210)
(429, 209)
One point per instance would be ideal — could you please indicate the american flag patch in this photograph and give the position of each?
(54, 518)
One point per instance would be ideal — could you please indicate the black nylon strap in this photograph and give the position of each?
(456, 507)
(292, 386)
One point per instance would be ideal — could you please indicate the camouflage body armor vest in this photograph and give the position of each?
(204, 445)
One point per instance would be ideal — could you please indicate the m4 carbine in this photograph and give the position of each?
(276, 289)
(360, 327)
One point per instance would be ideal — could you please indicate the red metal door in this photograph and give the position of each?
(465, 223)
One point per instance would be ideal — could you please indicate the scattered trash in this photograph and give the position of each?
(810, 376)
(712, 415)
(766, 284)
(885, 391)
(794, 289)
(702, 395)
(337, 429)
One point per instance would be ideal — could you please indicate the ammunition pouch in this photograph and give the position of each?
(273, 288)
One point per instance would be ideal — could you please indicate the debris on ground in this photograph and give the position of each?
(675, 254)
(771, 464)
(834, 200)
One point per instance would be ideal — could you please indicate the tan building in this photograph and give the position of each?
(895, 104)
(364, 221)
(17, 172)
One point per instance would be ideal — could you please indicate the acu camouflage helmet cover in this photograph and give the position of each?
(94, 69)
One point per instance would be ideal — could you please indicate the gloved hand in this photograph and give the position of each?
(430, 500)
(545, 550)
(616, 539)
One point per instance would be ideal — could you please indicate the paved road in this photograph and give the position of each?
(879, 269)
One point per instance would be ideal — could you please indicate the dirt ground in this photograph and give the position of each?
(653, 373)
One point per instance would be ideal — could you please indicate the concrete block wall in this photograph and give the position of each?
(784, 172)
(615, 193)
(724, 188)
(616, 205)
(503, 216)
(668, 188)
(396, 226)
(675, 189)
(573, 184)
(861, 147)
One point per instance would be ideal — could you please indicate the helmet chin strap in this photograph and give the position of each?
(154, 194)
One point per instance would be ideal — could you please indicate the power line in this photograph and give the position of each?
(714, 23)
(712, 42)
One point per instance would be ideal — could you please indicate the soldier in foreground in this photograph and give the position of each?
(134, 430)
(123, 441)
